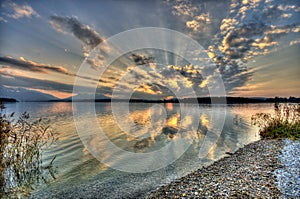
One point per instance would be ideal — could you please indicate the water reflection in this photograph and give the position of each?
(204, 121)
(152, 127)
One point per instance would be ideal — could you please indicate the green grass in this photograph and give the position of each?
(284, 123)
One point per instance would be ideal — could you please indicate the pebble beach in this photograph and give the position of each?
(263, 169)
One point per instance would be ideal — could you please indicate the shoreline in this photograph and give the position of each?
(248, 172)
(257, 170)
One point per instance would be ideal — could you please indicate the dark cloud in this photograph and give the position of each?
(234, 74)
(84, 33)
(239, 41)
(32, 66)
(141, 59)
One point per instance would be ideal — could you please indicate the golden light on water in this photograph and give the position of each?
(173, 121)
(204, 121)
(169, 106)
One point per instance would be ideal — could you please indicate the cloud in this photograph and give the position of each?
(3, 20)
(182, 7)
(239, 42)
(246, 29)
(24, 64)
(249, 28)
(20, 11)
(27, 82)
(294, 42)
(296, 29)
(152, 89)
(227, 25)
(151, 72)
(253, 28)
(141, 59)
(287, 7)
(159, 80)
(199, 23)
(84, 33)
(55, 93)
(257, 27)
(33, 66)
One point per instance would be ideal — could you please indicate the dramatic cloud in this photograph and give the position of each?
(150, 75)
(233, 32)
(257, 27)
(84, 33)
(251, 28)
(20, 11)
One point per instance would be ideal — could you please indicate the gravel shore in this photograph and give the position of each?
(247, 173)
(288, 176)
(263, 169)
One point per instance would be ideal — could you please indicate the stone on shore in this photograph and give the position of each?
(248, 173)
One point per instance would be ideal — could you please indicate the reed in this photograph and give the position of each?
(22, 140)
(284, 123)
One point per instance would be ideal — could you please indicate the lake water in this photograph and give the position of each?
(145, 129)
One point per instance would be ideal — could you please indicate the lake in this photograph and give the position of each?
(145, 129)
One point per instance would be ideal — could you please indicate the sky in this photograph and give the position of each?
(253, 44)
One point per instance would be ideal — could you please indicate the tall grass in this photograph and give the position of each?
(284, 123)
(22, 140)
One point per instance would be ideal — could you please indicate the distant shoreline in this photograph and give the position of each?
(8, 100)
(202, 100)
